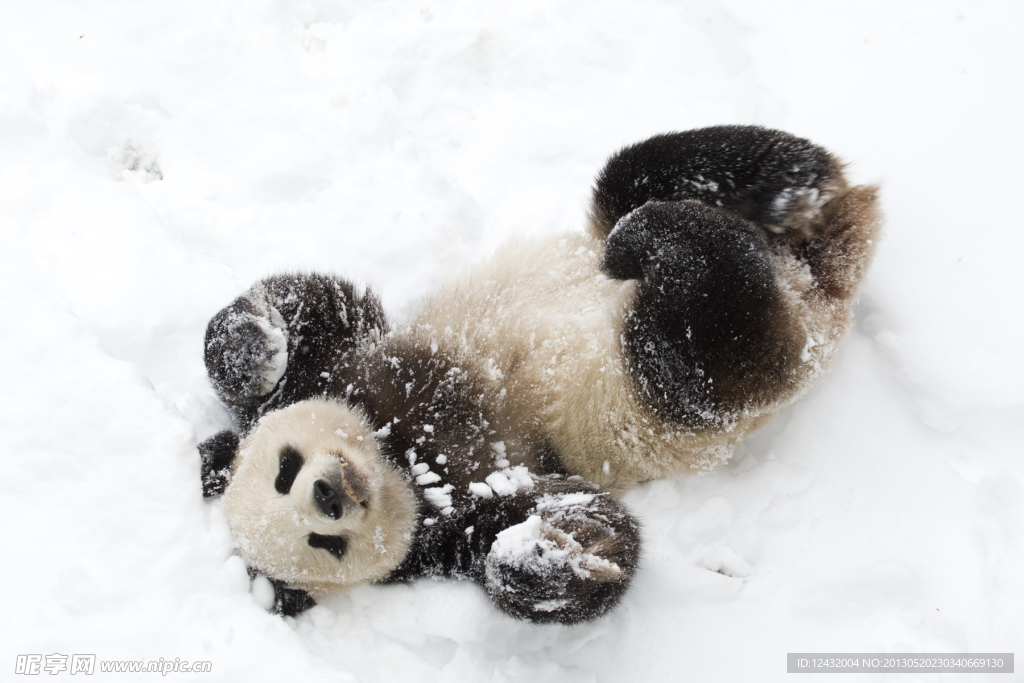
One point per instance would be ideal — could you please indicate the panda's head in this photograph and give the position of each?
(314, 504)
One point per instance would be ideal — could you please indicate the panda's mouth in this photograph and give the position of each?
(340, 492)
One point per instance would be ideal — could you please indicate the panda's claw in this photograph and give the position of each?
(586, 562)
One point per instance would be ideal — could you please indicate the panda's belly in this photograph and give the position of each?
(546, 326)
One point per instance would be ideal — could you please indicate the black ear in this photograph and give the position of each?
(217, 453)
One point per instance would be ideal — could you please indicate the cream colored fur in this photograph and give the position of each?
(271, 529)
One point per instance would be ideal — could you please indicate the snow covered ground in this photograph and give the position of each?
(156, 158)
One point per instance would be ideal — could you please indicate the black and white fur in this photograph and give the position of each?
(714, 282)
(372, 458)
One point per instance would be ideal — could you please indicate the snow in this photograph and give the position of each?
(506, 482)
(480, 489)
(500, 483)
(545, 549)
(518, 540)
(428, 478)
(564, 500)
(157, 158)
(439, 497)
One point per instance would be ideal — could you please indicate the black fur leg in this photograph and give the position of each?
(773, 178)
(548, 459)
(571, 564)
(319, 321)
(708, 333)
(217, 454)
(416, 387)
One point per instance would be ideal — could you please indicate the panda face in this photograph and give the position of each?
(313, 503)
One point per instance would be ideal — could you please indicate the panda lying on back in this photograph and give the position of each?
(712, 287)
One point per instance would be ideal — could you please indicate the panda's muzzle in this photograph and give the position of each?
(340, 491)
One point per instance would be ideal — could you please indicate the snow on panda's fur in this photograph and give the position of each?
(715, 279)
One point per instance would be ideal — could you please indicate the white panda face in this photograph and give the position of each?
(314, 504)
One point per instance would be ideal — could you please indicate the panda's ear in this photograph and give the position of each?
(218, 454)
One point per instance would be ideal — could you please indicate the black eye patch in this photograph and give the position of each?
(291, 463)
(335, 545)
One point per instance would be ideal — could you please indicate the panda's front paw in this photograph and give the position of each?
(276, 597)
(534, 572)
(217, 454)
(246, 349)
(565, 564)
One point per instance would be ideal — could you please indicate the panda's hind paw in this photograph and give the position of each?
(655, 232)
(629, 245)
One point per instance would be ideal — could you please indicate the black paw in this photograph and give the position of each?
(246, 350)
(288, 602)
(775, 179)
(569, 563)
(530, 576)
(217, 453)
(628, 247)
(659, 233)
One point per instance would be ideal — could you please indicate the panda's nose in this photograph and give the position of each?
(327, 499)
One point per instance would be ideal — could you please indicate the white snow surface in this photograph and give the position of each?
(157, 158)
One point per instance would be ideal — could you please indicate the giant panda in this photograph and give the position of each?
(481, 437)
(361, 456)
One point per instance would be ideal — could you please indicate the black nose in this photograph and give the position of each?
(327, 499)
